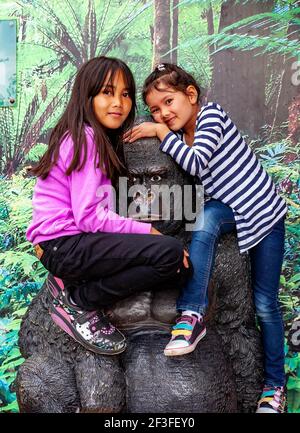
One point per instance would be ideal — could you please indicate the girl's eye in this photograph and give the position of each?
(155, 178)
(126, 94)
(107, 92)
(168, 101)
(154, 111)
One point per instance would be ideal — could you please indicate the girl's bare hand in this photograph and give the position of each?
(145, 129)
(185, 260)
(155, 232)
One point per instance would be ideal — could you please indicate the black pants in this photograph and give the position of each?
(102, 268)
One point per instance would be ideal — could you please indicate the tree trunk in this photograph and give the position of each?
(283, 106)
(175, 13)
(210, 27)
(23, 27)
(239, 77)
(162, 32)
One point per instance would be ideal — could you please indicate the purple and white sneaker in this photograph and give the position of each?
(186, 334)
(91, 329)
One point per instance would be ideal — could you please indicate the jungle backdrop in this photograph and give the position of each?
(244, 55)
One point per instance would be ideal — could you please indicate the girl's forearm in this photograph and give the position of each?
(162, 131)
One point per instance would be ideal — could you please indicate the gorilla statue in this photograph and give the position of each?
(223, 374)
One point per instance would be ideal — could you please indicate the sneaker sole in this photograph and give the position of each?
(63, 324)
(266, 410)
(185, 350)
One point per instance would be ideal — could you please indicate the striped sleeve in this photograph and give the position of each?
(194, 159)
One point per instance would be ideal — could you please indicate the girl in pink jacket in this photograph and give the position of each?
(100, 256)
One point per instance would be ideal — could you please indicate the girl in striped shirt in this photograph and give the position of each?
(205, 142)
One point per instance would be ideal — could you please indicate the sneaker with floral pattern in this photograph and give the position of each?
(91, 329)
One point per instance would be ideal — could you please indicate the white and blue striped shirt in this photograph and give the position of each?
(229, 172)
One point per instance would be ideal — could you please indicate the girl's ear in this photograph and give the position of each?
(192, 94)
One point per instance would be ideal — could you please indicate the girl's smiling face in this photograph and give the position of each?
(173, 107)
(113, 103)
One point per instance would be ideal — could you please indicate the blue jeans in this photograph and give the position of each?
(266, 262)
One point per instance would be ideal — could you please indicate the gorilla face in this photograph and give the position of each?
(155, 186)
(144, 183)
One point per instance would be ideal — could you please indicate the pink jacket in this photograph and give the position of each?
(81, 202)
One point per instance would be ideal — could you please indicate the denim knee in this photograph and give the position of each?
(208, 224)
(214, 218)
(206, 236)
(268, 312)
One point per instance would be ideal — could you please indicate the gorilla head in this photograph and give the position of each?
(158, 189)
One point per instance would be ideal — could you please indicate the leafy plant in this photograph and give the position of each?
(277, 22)
(21, 276)
(59, 40)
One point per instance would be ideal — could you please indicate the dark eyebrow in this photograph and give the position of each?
(156, 170)
(105, 86)
(149, 171)
(165, 97)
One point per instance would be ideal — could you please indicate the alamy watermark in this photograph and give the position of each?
(154, 203)
(296, 75)
(294, 335)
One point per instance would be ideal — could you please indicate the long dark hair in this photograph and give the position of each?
(169, 75)
(79, 112)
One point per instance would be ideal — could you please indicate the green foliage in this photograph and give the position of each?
(20, 127)
(292, 368)
(276, 24)
(59, 39)
(10, 359)
(36, 152)
(245, 34)
(21, 276)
